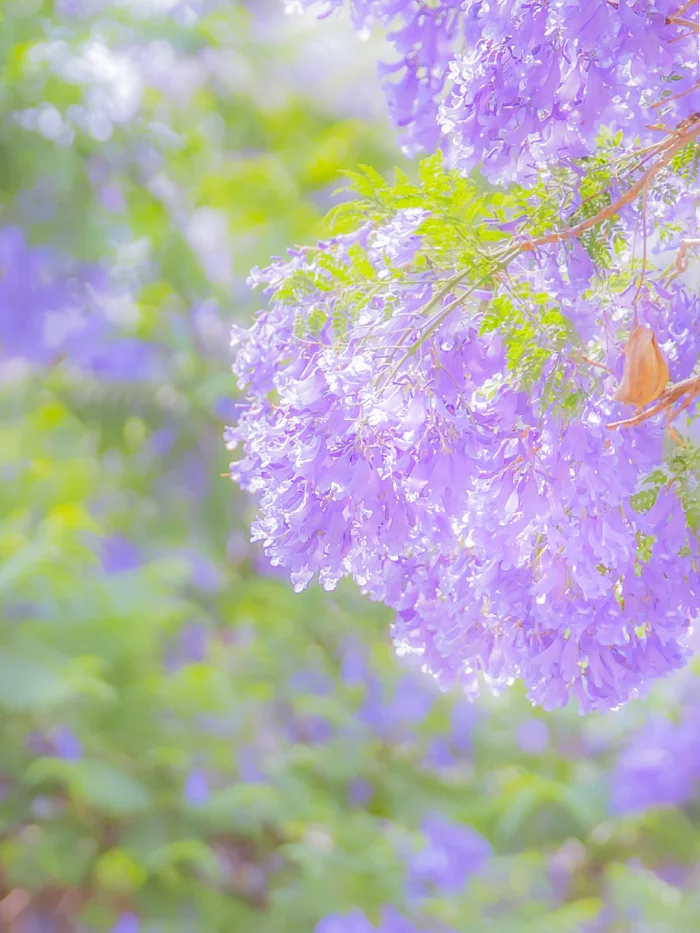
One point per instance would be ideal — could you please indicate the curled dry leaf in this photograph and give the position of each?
(645, 374)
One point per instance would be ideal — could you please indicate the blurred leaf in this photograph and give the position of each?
(244, 806)
(29, 685)
(188, 851)
(93, 782)
(117, 871)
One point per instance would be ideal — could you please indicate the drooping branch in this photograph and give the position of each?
(681, 21)
(669, 147)
(686, 389)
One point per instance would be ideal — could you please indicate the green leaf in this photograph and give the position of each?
(244, 805)
(27, 685)
(94, 782)
(23, 562)
(187, 851)
(116, 870)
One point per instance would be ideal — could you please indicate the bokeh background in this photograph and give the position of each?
(187, 746)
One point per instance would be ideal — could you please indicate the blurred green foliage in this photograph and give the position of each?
(183, 745)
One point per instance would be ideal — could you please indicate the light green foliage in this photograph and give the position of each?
(532, 330)
(461, 246)
(681, 470)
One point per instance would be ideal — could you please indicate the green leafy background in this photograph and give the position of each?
(112, 833)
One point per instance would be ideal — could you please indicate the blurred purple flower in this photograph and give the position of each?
(248, 762)
(211, 329)
(411, 702)
(189, 646)
(393, 922)
(127, 923)
(111, 197)
(452, 854)
(440, 754)
(193, 642)
(661, 767)
(570, 856)
(360, 792)
(119, 555)
(51, 308)
(674, 873)
(116, 359)
(162, 441)
(196, 790)
(204, 574)
(225, 409)
(354, 922)
(532, 736)
(353, 665)
(314, 682)
(372, 711)
(265, 568)
(311, 730)
(192, 474)
(31, 290)
(67, 744)
(463, 720)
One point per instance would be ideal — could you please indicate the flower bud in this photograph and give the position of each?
(645, 373)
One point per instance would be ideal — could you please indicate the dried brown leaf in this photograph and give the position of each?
(645, 373)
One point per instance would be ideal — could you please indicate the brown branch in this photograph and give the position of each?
(687, 131)
(14, 904)
(680, 21)
(667, 100)
(587, 359)
(689, 387)
(675, 19)
(645, 194)
(681, 260)
(673, 145)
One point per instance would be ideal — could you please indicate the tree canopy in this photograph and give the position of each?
(460, 400)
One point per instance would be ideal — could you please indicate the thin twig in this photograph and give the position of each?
(587, 359)
(681, 260)
(687, 131)
(635, 320)
(684, 7)
(680, 21)
(667, 100)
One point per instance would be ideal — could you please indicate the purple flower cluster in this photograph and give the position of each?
(452, 853)
(356, 922)
(543, 76)
(661, 764)
(40, 309)
(515, 84)
(502, 532)
(53, 309)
